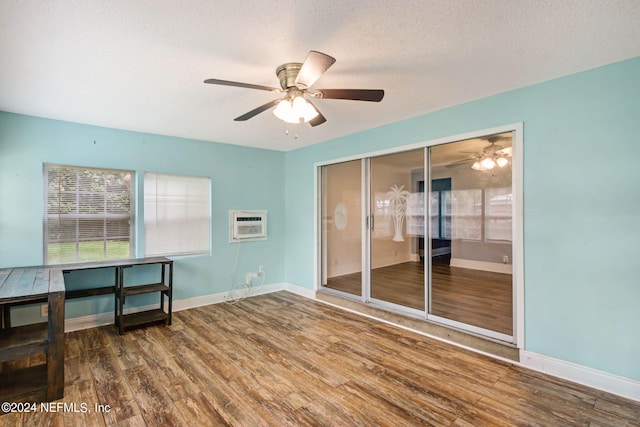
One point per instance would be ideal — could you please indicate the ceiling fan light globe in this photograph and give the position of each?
(476, 166)
(283, 110)
(303, 110)
(297, 111)
(299, 104)
(310, 112)
(502, 162)
(488, 163)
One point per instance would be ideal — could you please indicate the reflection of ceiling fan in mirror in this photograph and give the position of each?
(296, 80)
(493, 155)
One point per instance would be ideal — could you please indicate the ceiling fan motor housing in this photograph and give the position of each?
(287, 73)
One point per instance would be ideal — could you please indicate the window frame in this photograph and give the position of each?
(46, 214)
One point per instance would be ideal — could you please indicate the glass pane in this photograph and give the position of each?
(498, 213)
(434, 206)
(397, 208)
(82, 204)
(471, 278)
(466, 214)
(341, 227)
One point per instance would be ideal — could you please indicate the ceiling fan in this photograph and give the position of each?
(296, 80)
(491, 156)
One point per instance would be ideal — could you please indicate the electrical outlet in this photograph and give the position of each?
(44, 310)
(505, 259)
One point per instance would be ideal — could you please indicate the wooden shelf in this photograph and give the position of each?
(163, 288)
(144, 289)
(133, 320)
(91, 292)
(23, 341)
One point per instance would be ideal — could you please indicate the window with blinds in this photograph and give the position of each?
(88, 214)
(466, 214)
(177, 214)
(498, 216)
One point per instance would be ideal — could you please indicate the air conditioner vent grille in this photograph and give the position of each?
(247, 225)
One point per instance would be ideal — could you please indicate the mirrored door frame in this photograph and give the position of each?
(517, 230)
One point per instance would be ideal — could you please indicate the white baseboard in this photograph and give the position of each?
(344, 269)
(299, 290)
(103, 319)
(91, 321)
(584, 375)
(380, 262)
(481, 265)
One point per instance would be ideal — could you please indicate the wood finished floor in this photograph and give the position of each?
(283, 360)
(479, 298)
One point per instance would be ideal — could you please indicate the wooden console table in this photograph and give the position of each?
(23, 286)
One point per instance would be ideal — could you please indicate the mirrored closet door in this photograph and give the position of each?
(470, 214)
(396, 205)
(341, 227)
(428, 232)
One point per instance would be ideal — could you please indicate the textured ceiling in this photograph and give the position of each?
(140, 65)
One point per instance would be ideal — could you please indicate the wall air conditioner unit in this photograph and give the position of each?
(245, 226)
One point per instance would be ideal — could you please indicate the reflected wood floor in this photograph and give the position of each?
(283, 360)
(475, 297)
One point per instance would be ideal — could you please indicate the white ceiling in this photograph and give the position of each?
(140, 65)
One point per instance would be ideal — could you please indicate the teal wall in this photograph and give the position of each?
(581, 206)
(241, 178)
(581, 203)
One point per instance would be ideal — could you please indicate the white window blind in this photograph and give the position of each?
(498, 221)
(466, 214)
(176, 214)
(88, 214)
(434, 200)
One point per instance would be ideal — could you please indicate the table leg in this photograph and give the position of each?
(5, 320)
(55, 353)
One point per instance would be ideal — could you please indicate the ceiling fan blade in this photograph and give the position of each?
(372, 95)
(313, 67)
(319, 119)
(507, 152)
(463, 161)
(256, 111)
(238, 84)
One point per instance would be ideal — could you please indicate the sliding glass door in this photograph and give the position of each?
(427, 232)
(396, 206)
(470, 267)
(341, 227)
